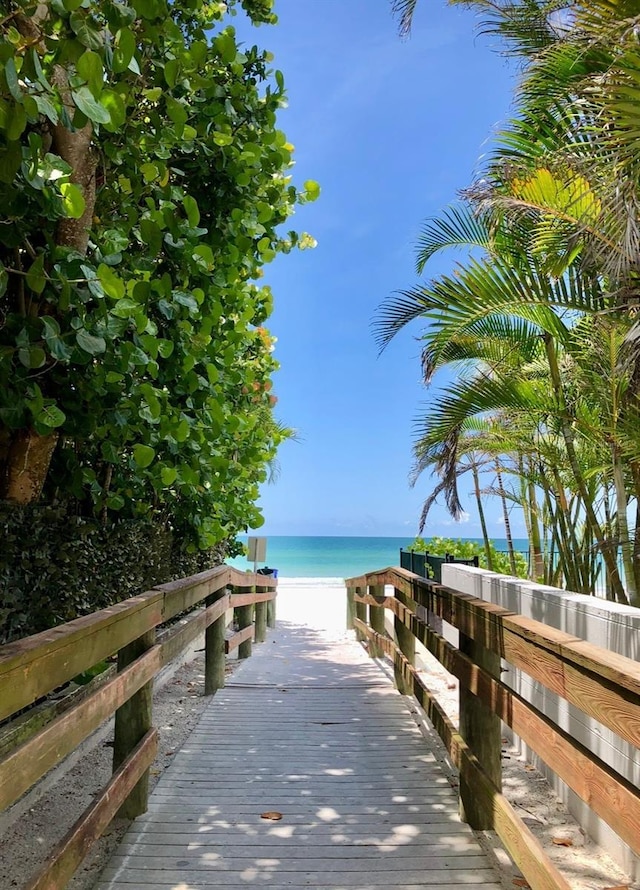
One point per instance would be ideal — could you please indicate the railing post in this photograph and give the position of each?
(271, 610)
(376, 620)
(361, 613)
(407, 645)
(261, 617)
(133, 721)
(244, 617)
(482, 731)
(351, 607)
(214, 657)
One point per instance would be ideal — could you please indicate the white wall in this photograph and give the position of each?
(605, 624)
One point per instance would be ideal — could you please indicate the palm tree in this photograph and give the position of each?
(501, 312)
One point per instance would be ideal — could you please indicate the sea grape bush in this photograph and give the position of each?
(143, 184)
(464, 549)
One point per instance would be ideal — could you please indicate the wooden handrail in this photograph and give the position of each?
(603, 684)
(33, 667)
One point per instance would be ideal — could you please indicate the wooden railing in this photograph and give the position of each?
(33, 667)
(602, 684)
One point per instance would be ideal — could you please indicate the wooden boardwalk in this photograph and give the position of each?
(311, 729)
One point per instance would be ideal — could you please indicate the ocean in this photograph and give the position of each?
(336, 557)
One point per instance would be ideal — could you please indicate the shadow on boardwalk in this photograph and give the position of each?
(312, 733)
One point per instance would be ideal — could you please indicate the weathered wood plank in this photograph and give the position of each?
(22, 728)
(214, 650)
(344, 760)
(522, 845)
(28, 763)
(225, 866)
(249, 599)
(177, 638)
(561, 662)
(420, 878)
(67, 855)
(240, 636)
(133, 721)
(32, 667)
(180, 595)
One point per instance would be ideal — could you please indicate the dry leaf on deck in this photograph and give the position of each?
(273, 815)
(520, 882)
(618, 887)
(562, 841)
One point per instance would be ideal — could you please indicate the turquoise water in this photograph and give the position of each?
(336, 557)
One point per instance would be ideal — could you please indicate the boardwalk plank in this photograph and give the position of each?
(312, 729)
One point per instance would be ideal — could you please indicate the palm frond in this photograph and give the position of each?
(404, 11)
(457, 226)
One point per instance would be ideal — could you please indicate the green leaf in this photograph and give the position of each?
(87, 35)
(89, 343)
(168, 475)
(55, 344)
(226, 45)
(171, 70)
(115, 502)
(114, 104)
(89, 67)
(148, 9)
(89, 106)
(125, 48)
(32, 356)
(73, 201)
(203, 255)
(125, 308)
(11, 76)
(222, 138)
(51, 416)
(149, 172)
(165, 348)
(47, 108)
(191, 209)
(112, 285)
(181, 432)
(312, 190)
(176, 111)
(36, 278)
(16, 122)
(143, 455)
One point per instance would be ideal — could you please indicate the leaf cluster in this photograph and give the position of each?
(147, 353)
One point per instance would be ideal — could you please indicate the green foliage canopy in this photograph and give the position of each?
(132, 312)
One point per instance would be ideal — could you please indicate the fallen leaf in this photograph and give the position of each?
(273, 815)
(618, 887)
(520, 882)
(562, 841)
(528, 767)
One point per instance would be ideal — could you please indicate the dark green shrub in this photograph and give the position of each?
(55, 566)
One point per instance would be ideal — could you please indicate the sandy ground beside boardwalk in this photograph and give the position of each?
(35, 824)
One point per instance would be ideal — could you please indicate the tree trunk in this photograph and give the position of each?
(537, 555)
(28, 455)
(626, 546)
(568, 436)
(507, 524)
(483, 522)
(27, 464)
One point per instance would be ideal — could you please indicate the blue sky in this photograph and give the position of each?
(391, 130)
